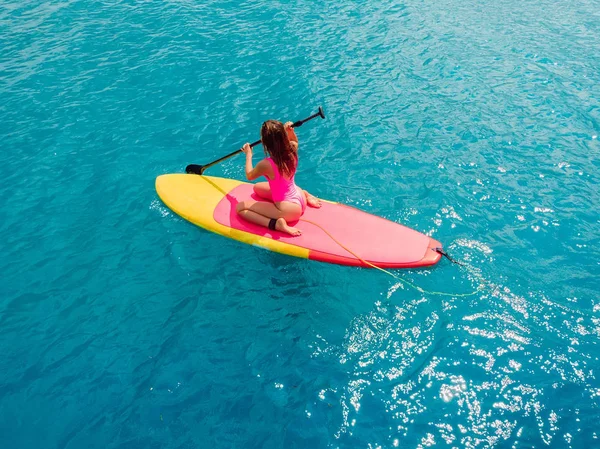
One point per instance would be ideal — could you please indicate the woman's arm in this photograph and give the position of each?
(263, 168)
(291, 133)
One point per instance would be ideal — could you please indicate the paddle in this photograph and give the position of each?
(199, 169)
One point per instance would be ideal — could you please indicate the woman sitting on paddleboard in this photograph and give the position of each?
(288, 200)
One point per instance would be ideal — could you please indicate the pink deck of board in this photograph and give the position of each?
(375, 239)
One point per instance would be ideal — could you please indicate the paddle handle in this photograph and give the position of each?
(302, 122)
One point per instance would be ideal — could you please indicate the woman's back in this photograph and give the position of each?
(282, 188)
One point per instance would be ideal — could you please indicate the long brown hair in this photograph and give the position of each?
(277, 145)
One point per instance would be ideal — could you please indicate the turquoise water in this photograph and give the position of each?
(123, 326)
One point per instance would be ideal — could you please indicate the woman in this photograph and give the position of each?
(288, 201)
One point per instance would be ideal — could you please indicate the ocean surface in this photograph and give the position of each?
(124, 326)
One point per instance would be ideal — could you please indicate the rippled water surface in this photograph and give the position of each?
(124, 326)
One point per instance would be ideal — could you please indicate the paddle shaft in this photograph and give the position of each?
(204, 167)
(199, 169)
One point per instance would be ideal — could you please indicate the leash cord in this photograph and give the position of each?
(416, 287)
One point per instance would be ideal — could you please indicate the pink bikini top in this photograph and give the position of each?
(282, 189)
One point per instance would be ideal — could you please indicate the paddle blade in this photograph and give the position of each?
(321, 113)
(194, 169)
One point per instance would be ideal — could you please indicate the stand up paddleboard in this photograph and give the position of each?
(335, 233)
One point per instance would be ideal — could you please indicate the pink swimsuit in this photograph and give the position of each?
(285, 189)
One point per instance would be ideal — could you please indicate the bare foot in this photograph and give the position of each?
(282, 226)
(313, 201)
